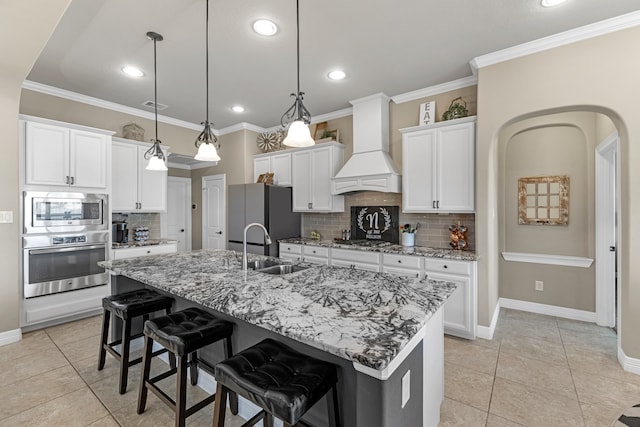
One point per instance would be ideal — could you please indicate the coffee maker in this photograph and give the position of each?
(119, 232)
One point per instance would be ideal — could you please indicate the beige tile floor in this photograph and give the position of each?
(537, 371)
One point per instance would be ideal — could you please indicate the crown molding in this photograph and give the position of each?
(240, 126)
(435, 90)
(585, 32)
(96, 102)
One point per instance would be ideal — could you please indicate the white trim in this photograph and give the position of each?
(549, 310)
(564, 260)
(9, 337)
(486, 332)
(629, 364)
(585, 32)
(240, 126)
(435, 90)
(385, 373)
(89, 100)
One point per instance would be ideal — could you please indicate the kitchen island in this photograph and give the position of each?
(383, 331)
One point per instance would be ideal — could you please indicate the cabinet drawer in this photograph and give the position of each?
(290, 248)
(447, 266)
(316, 251)
(398, 271)
(402, 261)
(143, 251)
(355, 256)
(357, 266)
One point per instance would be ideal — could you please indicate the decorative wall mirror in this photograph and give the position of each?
(543, 200)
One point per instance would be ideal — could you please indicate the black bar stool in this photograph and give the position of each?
(183, 333)
(283, 382)
(127, 306)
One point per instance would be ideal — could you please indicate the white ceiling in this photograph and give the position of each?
(384, 46)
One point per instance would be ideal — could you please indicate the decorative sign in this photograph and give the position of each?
(543, 200)
(427, 113)
(375, 223)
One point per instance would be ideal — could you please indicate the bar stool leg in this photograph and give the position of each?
(106, 315)
(268, 420)
(146, 368)
(219, 409)
(334, 409)
(193, 369)
(233, 397)
(181, 391)
(124, 355)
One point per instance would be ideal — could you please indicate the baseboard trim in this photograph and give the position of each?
(549, 310)
(9, 337)
(629, 364)
(486, 332)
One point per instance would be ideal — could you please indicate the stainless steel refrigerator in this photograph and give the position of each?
(269, 205)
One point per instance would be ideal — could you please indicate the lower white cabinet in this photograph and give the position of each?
(144, 251)
(460, 317)
(291, 252)
(402, 265)
(360, 260)
(315, 254)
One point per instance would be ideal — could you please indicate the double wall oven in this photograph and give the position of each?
(65, 236)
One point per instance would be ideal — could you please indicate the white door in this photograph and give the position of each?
(213, 212)
(179, 212)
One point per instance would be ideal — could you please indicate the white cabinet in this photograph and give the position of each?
(315, 254)
(402, 265)
(290, 251)
(64, 156)
(438, 167)
(278, 163)
(139, 251)
(312, 171)
(135, 189)
(360, 260)
(460, 318)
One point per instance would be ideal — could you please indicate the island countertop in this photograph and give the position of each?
(365, 317)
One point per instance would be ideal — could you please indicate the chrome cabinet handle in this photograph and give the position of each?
(433, 204)
(66, 180)
(399, 261)
(217, 232)
(310, 205)
(72, 180)
(438, 204)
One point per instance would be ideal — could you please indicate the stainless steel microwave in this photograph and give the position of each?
(49, 212)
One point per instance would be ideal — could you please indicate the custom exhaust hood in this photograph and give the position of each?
(369, 168)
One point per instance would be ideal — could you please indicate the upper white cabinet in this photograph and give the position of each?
(278, 163)
(65, 156)
(135, 189)
(438, 167)
(312, 171)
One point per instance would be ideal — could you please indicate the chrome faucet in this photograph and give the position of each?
(267, 240)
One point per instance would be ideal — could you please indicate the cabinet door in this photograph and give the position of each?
(47, 154)
(124, 177)
(290, 251)
(459, 309)
(261, 165)
(418, 171)
(152, 186)
(301, 180)
(88, 159)
(321, 175)
(456, 168)
(281, 168)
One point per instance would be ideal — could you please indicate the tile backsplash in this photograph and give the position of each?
(133, 220)
(433, 231)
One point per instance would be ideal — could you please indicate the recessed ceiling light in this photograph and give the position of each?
(264, 27)
(238, 109)
(551, 3)
(132, 71)
(337, 75)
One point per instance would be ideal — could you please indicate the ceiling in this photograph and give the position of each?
(383, 46)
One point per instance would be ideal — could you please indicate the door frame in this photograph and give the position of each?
(204, 207)
(607, 223)
(164, 215)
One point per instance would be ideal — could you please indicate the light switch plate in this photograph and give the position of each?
(6, 217)
(406, 388)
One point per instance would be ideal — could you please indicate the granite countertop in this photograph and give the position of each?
(389, 249)
(362, 316)
(150, 242)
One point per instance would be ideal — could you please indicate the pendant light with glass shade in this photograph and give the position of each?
(154, 154)
(207, 143)
(298, 134)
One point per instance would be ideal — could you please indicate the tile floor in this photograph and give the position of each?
(537, 371)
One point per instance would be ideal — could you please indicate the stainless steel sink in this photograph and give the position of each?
(259, 264)
(282, 269)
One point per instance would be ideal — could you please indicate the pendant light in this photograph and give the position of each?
(207, 143)
(154, 154)
(298, 134)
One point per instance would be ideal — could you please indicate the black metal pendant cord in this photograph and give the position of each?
(155, 149)
(298, 50)
(207, 61)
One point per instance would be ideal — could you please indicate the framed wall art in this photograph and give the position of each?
(427, 113)
(543, 200)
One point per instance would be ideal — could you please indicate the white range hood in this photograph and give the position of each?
(369, 168)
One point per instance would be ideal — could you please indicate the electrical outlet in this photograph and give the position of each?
(6, 217)
(406, 388)
(539, 285)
